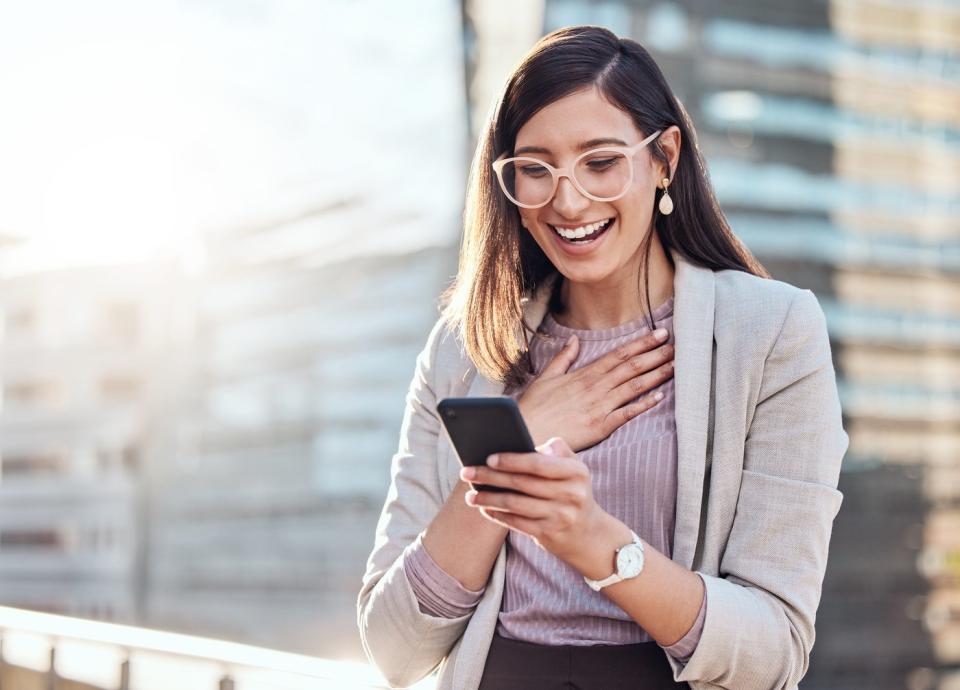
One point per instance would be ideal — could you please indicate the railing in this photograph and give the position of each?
(77, 654)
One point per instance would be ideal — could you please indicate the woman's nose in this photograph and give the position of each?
(568, 201)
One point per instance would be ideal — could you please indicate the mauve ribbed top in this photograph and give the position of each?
(634, 478)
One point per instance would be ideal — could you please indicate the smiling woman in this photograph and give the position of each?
(671, 528)
(546, 142)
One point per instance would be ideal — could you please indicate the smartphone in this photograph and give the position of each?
(482, 426)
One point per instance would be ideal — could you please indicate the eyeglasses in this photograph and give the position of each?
(601, 174)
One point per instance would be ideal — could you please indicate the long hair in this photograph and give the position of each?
(499, 263)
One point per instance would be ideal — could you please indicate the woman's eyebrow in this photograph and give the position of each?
(602, 141)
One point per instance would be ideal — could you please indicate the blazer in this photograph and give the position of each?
(760, 443)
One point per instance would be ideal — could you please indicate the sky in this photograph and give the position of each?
(131, 128)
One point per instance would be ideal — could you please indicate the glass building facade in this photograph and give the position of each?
(831, 132)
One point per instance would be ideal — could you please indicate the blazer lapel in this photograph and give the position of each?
(693, 310)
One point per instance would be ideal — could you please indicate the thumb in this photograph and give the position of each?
(556, 446)
(563, 359)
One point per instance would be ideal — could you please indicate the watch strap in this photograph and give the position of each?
(597, 585)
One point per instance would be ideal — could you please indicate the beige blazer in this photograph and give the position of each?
(760, 443)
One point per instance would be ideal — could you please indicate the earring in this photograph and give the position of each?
(666, 203)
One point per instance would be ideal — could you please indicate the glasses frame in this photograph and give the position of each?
(567, 171)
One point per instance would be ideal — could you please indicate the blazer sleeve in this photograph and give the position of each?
(404, 643)
(759, 627)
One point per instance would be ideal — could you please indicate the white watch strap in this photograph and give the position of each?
(597, 585)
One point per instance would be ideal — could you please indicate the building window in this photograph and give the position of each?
(19, 323)
(32, 539)
(667, 28)
(612, 14)
(31, 465)
(35, 393)
(130, 456)
(121, 323)
(117, 388)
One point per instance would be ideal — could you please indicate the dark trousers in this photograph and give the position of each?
(516, 665)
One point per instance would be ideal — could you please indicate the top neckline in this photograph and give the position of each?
(550, 325)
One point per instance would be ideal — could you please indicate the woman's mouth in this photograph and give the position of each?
(584, 235)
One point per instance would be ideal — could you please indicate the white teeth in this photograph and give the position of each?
(582, 231)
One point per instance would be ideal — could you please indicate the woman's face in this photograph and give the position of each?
(559, 129)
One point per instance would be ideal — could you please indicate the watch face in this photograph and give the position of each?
(629, 561)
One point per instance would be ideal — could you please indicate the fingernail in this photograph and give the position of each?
(493, 460)
(658, 396)
(660, 334)
(468, 473)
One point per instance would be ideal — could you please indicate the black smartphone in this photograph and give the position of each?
(482, 426)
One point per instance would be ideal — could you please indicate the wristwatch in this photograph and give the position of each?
(629, 558)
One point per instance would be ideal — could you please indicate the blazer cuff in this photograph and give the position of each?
(404, 643)
(439, 593)
(746, 641)
(683, 648)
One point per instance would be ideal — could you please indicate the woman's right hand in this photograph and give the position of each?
(585, 406)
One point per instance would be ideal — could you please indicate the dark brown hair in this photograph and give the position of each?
(499, 263)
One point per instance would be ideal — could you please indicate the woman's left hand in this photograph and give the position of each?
(558, 512)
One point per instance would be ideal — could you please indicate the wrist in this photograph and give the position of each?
(472, 515)
(531, 425)
(596, 558)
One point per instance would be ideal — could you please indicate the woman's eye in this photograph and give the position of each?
(533, 170)
(601, 163)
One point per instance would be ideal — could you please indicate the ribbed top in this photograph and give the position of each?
(637, 327)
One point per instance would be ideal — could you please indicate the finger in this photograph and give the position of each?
(622, 415)
(563, 359)
(640, 364)
(525, 483)
(638, 385)
(623, 353)
(515, 522)
(546, 466)
(526, 506)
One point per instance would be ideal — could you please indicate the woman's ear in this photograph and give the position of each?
(670, 143)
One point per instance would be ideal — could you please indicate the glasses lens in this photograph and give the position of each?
(527, 181)
(604, 174)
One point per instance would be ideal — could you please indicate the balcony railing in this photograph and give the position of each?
(59, 653)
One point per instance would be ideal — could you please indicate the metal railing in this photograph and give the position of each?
(109, 656)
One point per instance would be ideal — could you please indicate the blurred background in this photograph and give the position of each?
(220, 253)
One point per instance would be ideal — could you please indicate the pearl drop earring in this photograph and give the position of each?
(666, 203)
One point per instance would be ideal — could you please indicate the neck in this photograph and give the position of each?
(620, 297)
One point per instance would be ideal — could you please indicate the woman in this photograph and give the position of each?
(660, 541)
